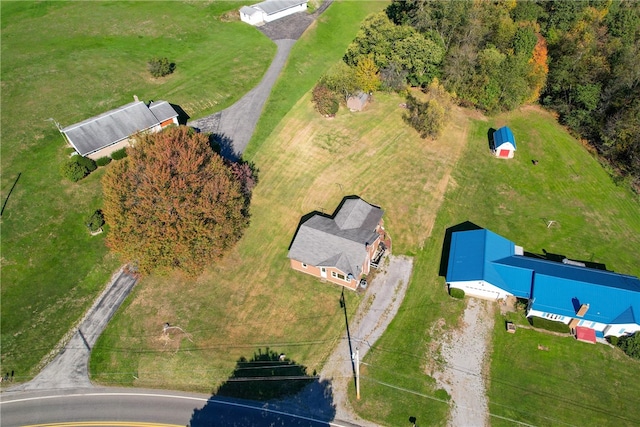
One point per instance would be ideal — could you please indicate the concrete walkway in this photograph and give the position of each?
(69, 369)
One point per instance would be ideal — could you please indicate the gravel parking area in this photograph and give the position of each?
(464, 352)
(292, 26)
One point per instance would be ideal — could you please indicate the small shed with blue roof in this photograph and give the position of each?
(504, 143)
(487, 265)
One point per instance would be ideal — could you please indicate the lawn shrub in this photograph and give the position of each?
(456, 293)
(159, 67)
(630, 345)
(73, 171)
(119, 154)
(549, 325)
(325, 100)
(613, 340)
(95, 221)
(103, 161)
(77, 167)
(86, 162)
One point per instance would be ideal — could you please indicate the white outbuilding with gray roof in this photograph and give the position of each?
(270, 10)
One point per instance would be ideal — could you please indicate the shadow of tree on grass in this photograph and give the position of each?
(267, 375)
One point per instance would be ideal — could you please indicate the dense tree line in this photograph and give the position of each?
(580, 58)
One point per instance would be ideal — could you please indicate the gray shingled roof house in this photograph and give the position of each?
(101, 135)
(339, 248)
(270, 10)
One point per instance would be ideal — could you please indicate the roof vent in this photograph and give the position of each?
(583, 310)
(568, 261)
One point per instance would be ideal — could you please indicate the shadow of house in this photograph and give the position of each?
(446, 244)
(490, 141)
(183, 117)
(268, 389)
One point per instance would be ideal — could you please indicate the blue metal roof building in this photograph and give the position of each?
(479, 254)
(504, 143)
(555, 290)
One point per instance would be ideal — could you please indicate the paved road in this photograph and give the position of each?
(69, 369)
(233, 127)
(101, 406)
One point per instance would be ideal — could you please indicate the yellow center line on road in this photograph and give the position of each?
(104, 424)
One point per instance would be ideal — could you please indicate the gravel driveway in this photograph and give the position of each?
(464, 351)
(69, 369)
(379, 306)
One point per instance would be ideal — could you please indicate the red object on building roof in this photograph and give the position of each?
(585, 334)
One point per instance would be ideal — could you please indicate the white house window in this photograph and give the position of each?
(621, 331)
(304, 265)
(339, 276)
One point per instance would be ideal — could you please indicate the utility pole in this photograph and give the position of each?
(357, 374)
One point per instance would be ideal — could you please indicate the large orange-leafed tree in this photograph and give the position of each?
(173, 203)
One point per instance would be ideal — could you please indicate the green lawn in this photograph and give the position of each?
(252, 299)
(572, 383)
(69, 61)
(597, 221)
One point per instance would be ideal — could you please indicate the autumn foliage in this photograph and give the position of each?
(173, 202)
(540, 67)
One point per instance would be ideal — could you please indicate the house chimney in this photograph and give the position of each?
(583, 310)
(135, 98)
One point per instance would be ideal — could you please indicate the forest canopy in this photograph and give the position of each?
(578, 58)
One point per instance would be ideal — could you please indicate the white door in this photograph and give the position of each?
(323, 272)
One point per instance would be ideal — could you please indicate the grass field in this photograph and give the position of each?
(69, 61)
(597, 221)
(573, 383)
(252, 299)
